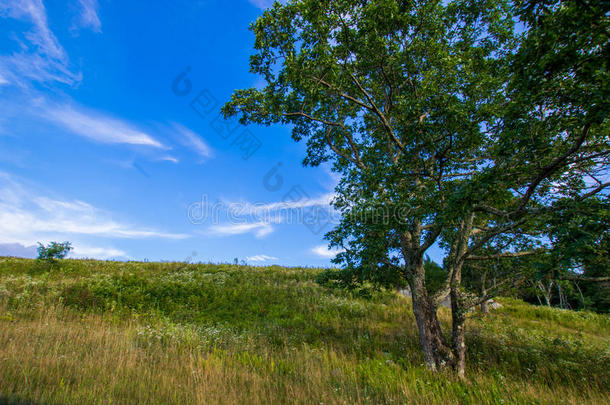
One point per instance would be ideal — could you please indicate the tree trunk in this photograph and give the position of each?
(458, 308)
(483, 294)
(547, 295)
(546, 292)
(582, 297)
(458, 340)
(437, 354)
(484, 307)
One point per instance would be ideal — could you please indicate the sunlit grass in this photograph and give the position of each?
(102, 332)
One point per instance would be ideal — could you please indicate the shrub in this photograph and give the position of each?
(53, 251)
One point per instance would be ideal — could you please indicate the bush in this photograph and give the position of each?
(53, 251)
(362, 280)
(355, 278)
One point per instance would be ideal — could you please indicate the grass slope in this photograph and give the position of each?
(91, 332)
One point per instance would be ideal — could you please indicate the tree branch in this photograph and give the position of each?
(343, 94)
(381, 116)
(501, 255)
(585, 278)
(594, 191)
(355, 160)
(549, 169)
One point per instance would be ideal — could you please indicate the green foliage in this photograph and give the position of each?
(362, 280)
(433, 112)
(353, 278)
(435, 275)
(53, 251)
(580, 234)
(579, 242)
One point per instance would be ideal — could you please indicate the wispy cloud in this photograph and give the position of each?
(260, 258)
(84, 251)
(169, 159)
(27, 216)
(193, 141)
(259, 229)
(88, 17)
(41, 36)
(43, 59)
(325, 252)
(261, 218)
(291, 202)
(97, 126)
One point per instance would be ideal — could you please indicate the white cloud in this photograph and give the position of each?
(325, 252)
(292, 202)
(169, 159)
(43, 59)
(40, 36)
(259, 218)
(84, 251)
(97, 126)
(193, 141)
(260, 229)
(260, 258)
(88, 16)
(293, 210)
(26, 217)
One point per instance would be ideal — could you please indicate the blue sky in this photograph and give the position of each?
(109, 137)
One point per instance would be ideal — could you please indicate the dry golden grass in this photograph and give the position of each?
(57, 357)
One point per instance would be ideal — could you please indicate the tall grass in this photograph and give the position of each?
(89, 332)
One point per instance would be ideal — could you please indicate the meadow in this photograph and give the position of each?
(94, 332)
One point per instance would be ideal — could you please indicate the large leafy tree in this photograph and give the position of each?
(438, 138)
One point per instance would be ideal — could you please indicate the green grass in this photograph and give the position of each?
(110, 332)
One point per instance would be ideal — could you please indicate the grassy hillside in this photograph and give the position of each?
(90, 332)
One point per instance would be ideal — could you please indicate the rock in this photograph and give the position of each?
(445, 303)
(494, 305)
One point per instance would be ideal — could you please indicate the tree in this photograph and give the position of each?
(579, 231)
(484, 279)
(426, 111)
(573, 271)
(53, 251)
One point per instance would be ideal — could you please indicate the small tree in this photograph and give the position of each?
(53, 251)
